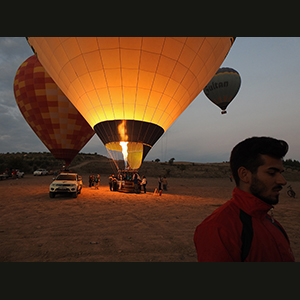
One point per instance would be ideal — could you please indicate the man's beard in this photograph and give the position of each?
(258, 188)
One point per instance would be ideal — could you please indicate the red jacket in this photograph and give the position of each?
(222, 235)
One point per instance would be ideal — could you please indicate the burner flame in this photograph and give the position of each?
(124, 146)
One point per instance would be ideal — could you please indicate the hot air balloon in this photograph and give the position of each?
(48, 111)
(223, 87)
(131, 89)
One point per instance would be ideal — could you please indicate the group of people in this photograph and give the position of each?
(115, 182)
(162, 181)
(140, 184)
(94, 180)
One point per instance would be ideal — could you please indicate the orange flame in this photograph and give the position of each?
(123, 143)
(125, 152)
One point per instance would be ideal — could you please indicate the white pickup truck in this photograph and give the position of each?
(66, 183)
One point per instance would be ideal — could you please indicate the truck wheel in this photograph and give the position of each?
(75, 195)
(51, 194)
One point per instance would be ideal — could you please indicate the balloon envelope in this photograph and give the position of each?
(223, 87)
(140, 84)
(48, 111)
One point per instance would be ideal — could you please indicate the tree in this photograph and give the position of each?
(171, 161)
(292, 164)
(157, 160)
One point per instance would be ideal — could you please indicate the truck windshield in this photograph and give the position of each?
(66, 177)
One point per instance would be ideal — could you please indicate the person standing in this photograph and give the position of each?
(136, 183)
(110, 182)
(159, 182)
(97, 180)
(144, 183)
(90, 180)
(165, 183)
(115, 184)
(242, 230)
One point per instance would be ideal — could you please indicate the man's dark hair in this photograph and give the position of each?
(248, 154)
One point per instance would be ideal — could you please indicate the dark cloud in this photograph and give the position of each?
(15, 133)
(13, 51)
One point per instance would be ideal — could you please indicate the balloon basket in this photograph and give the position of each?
(128, 187)
(223, 112)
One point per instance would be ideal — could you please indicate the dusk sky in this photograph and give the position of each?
(266, 104)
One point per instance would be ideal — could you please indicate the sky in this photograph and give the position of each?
(267, 104)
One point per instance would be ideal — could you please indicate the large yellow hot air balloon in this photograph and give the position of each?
(131, 89)
(48, 111)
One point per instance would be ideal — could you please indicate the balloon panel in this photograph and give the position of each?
(48, 111)
(141, 78)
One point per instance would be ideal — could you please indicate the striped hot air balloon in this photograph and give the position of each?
(131, 89)
(48, 111)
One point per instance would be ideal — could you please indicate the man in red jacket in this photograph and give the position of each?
(241, 229)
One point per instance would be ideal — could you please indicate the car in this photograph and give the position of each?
(15, 173)
(70, 183)
(40, 172)
(4, 176)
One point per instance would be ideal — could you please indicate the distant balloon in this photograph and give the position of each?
(131, 89)
(48, 111)
(223, 87)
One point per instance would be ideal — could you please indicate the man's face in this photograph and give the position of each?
(268, 181)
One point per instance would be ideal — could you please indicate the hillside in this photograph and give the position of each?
(153, 169)
(176, 170)
(94, 164)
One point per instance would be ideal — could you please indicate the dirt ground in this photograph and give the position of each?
(105, 226)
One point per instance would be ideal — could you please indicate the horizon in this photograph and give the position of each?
(153, 160)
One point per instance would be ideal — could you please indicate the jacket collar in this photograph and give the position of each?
(250, 204)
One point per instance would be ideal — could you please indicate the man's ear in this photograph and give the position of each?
(244, 174)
